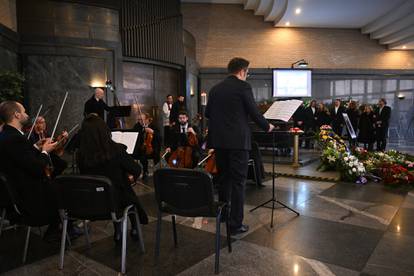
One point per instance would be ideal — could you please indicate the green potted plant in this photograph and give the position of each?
(11, 86)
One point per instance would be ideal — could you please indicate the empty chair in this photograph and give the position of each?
(188, 193)
(88, 197)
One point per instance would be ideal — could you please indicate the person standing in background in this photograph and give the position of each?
(337, 119)
(177, 107)
(366, 127)
(353, 115)
(383, 115)
(166, 110)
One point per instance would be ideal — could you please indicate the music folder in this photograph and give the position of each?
(282, 110)
(127, 138)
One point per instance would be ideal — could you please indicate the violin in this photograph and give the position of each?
(147, 147)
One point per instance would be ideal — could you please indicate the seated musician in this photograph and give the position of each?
(180, 134)
(38, 136)
(148, 143)
(98, 154)
(25, 166)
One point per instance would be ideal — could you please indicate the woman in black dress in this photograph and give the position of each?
(323, 117)
(366, 128)
(99, 155)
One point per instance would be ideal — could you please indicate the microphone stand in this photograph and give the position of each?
(273, 199)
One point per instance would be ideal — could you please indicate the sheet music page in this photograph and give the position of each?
(128, 139)
(282, 110)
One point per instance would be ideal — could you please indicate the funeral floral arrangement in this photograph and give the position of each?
(357, 164)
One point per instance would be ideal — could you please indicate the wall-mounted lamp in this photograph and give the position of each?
(203, 98)
(108, 85)
(401, 96)
(300, 64)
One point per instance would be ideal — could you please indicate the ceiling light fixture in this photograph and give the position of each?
(298, 11)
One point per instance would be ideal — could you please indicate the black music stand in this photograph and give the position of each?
(273, 200)
(117, 112)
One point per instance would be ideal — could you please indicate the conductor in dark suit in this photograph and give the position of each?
(96, 104)
(382, 115)
(24, 165)
(337, 120)
(230, 105)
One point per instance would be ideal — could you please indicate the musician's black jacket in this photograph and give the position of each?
(230, 103)
(24, 166)
(179, 139)
(94, 106)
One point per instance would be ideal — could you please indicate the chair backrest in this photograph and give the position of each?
(184, 192)
(86, 196)
(8, 196)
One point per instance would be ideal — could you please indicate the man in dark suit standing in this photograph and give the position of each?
(382, 115)
(229, 107)
(177, 107)
(96, 104)
(24, 165)
(337, 118)
(310, 122)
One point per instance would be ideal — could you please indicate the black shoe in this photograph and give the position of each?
(242, 229)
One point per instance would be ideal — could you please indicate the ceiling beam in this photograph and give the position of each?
(277, 12)
(251, 4)
(400, 43)
(395, 14)
(263, 7)
(397, 36)
(394, 27)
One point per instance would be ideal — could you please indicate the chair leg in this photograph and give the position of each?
(85, 229)
(174, 231)
(158, 237)
(140, 235)
(217, 262)
(26, 244)
(63, 242)
(3, 217)
(228, 235)
(254, 173)
(124, 237)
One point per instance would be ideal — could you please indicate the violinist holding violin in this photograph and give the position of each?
(148, 143)
(25, 165)
(38, 137)
(184, 138)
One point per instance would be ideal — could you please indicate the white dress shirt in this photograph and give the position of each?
(166, 109)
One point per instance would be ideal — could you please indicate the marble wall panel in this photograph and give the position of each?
(48, 77)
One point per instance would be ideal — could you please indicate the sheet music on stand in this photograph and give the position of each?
(126, 138)
(282, 110)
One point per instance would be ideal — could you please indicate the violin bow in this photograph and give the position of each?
(69, 132)
(139, 110)
(34, 122)
(204, 160)
(58, 118)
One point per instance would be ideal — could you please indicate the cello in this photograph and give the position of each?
(182, 157)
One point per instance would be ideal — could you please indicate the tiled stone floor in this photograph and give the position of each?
(343, 229)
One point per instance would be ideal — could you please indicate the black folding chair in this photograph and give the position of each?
(188, 193)
(10, 199)
(90, 197)
(4, 200)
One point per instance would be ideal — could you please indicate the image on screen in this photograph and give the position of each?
(292, 83)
